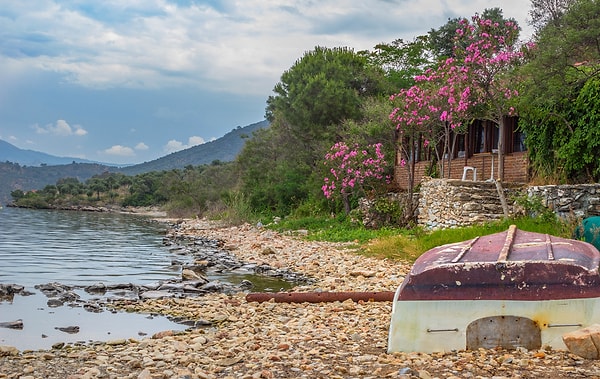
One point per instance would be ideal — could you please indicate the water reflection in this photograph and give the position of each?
(81, 249)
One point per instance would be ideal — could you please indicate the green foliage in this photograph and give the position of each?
(238, 209)
(33, 200)
(334, 229)
(193, 191)
(17, 194)
(388, 211)
(281, 168)
(543, 12)
(321, 89)
(534, 207)
(442, 40)
(408, 246)
(581, 152)
(558, 111)
(402, 60)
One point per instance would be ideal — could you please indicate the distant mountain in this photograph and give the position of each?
(224, 149)
(11, 153)
(13, 176)
(30, 170)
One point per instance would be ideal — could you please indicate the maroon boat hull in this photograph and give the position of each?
(511, 265)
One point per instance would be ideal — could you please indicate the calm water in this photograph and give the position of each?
(80, 248)
(77, 248)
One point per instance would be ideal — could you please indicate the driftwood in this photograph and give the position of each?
(500, 190)
(319, 297)
(18, 324)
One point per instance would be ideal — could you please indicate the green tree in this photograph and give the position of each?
(320, 90)
(96, 186)
(544, 12)
(581, 152)
(442, 41)
(69, 186)
(402, 60)
(17, 194)
(565, 59)
(279, 167)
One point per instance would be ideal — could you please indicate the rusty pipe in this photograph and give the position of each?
(318, 297)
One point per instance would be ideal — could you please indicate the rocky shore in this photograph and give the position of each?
(234, 338)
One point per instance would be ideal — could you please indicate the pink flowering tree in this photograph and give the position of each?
(353, 171)
(414, 116)
(489, 60)
(426, 113)
(474, 83)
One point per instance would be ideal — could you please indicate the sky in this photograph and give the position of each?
(129, 81)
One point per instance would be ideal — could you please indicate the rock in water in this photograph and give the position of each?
(68, 329)
(18, 324)
(188, 274)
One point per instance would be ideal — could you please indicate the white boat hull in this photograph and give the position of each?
(441, 325)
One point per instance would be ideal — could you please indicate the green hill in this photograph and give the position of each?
(18, 174)
(224, 149)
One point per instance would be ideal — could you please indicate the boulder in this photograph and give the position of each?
(18, 324)
(188, 274)
(8, 351)
(68, 329)
(584, 342)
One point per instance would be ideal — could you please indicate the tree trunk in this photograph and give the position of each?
(501, 133)
(346, 202)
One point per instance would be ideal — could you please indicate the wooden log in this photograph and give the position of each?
(319, 297)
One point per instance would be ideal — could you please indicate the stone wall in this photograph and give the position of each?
(580, 200)
(445, 203)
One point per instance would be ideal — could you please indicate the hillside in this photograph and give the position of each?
(14, 176)
(11, 153)
(22, 173)
(224, 149)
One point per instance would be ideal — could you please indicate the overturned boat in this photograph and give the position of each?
(510, 289)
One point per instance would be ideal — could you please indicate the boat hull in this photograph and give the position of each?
(439, 326)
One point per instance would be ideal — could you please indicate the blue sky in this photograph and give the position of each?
(128, 81)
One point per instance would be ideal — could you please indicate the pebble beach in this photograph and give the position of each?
(242, 339)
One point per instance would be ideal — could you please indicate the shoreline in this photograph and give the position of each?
(154, 212)
(243, 339)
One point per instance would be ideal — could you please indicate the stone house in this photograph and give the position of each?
(474, 156)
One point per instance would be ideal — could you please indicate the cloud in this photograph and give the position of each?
(240, 47)
(141, 146)
(61, 128)
(174, 145)
(195, 140)
(119, 150)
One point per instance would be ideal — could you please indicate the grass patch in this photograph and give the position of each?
(333, 229)
(408, 245)
(400, 247)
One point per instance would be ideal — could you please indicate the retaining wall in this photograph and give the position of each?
(445, 203)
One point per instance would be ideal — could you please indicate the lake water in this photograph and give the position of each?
(78, 248)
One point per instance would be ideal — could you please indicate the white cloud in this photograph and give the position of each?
(195, 140)
(119, 150)
(174, 145)
(240, 46)
(60, 128)
(141, 146)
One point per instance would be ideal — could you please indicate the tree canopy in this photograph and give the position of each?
(327, 88)
(562, 72)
